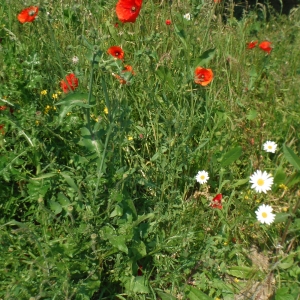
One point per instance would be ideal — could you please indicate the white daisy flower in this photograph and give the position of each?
(202, 177)
(261, 181)
(264, 214)
(187, 16)
(270, 146)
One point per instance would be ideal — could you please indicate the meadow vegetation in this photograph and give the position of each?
(104, 126)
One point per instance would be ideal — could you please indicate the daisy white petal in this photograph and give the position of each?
(261, 181)
(264, 214)
(202, 177)
(270, 146)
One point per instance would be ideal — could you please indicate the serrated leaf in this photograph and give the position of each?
(206, 57)
(291, 157)
(118, 242)
(231, 156)
(195, 294)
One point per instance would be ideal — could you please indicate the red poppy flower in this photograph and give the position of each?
(72, 83)
(168, 22)
(203, 76)
(28, 14)
(3, 107)
(116, 52)
(217, 202)
(128, 10)
(252, 44)
(265, 46)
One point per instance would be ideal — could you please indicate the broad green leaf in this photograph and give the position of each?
(279, 176)
(281, 217)
(55, 206)
(138, 284)
(118, 242)
(252, 114)
(286, 263)
(195, 294)
(165, 296)
(63, 200)
(138, 248)
(89, 142)
(231, 156)
(71, 100)
(70, 181)
(242, 272)
(283, 294)
(118, 211)
(46, 175)
(291, 157)
(240, 182)
(205, 57)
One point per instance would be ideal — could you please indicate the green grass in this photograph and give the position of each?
(98, 196)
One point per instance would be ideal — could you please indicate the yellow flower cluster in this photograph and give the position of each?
(48, 108)
(44, 92)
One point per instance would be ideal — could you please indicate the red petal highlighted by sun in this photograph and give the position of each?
(128, 10)
(28, 14)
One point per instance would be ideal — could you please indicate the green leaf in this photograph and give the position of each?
(138, 284)
(138, 249)
(71, 182)
(55, 207)
(206, 57)
(46, 175)
(71, 100)
(165, 296)
(240, 182)
(118, 242)
(282, 294)
(252, 115)
(281, 217)
(286, 263)
(291, 157)
(89, 142)
(243, 272)
(231, 156)
(279, 176)
(195, 294)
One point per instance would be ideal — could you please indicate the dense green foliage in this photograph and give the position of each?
(98, 196)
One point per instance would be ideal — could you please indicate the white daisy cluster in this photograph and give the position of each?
(187, 16)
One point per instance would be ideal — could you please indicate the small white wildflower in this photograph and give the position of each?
(261, 181)
(202, 177)
(187, 16)
(270, 146)
(264, 214)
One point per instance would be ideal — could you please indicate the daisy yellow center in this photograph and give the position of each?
(260, 182)
(133, 8)
(202, 177)
(269, 147)
(264, 215)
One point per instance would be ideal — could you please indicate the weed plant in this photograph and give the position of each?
(99, 197)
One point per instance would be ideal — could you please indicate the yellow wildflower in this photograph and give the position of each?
(236, 280)
(130, 138)
(105, 110)
(282, 186)
(54, 96)
(44, 92)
